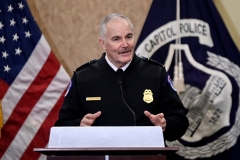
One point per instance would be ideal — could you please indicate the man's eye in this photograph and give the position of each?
(129, 36)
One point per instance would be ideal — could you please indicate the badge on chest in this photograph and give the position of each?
(147, 96)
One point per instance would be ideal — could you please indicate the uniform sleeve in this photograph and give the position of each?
(70, 113)
(174, 112)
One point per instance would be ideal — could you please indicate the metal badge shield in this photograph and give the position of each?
(148, 96)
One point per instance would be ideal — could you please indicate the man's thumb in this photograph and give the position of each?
(97, 114)
(148, 114)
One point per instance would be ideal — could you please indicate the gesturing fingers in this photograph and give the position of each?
(157, 120)
(89, 119)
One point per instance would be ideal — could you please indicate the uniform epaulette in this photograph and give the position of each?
(86, 64)
(152, 61)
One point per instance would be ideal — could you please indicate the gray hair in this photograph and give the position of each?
(109, 17)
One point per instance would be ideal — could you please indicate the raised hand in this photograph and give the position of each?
(157, 120)
(89, 119)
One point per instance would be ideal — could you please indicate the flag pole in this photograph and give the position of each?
(178, 68)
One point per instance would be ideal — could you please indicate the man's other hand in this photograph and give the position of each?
(157, 120)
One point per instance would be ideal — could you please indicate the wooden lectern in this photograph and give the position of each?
(106, 143)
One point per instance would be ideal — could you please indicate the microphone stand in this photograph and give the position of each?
(134, 115)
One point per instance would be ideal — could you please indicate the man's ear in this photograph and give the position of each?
(102, 43)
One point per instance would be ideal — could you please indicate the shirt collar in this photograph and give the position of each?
(115, 68)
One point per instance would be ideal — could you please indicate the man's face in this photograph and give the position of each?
(119, 42)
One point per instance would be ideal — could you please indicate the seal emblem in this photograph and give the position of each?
(147, 96)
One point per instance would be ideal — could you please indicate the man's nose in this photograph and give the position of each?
(124, 43)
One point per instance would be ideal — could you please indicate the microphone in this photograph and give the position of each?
(134, 115)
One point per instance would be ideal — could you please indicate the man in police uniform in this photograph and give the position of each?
(139, 94)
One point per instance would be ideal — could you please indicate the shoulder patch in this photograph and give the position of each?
(86, 64)
(152, 61)
(170, 82)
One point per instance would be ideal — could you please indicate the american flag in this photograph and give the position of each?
(32, 83)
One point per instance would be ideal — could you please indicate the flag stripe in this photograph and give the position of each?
(42, 157)
(31, 96)
(26, 76)
(38, 114)
(40, 139)
(32, 83)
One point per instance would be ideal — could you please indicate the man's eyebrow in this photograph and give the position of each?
(115, 37)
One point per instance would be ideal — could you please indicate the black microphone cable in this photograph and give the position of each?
(134, 115)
